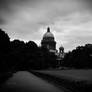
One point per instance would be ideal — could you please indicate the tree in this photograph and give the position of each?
(4, 50)
(79, 57)
(4, 42)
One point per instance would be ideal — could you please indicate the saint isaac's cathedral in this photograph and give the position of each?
(48, 41)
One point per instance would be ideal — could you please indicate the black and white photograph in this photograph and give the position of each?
(45, 45)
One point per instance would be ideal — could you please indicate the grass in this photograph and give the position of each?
(73, 80)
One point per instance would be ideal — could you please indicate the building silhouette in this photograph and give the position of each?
(48, 41)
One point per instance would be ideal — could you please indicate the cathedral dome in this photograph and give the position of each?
(48, 34)
(48, 40)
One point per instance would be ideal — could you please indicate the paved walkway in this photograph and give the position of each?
(27, 82)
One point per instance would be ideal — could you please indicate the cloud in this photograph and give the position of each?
(28, 19)
(1, 21)
(52, 8)
(74, 29)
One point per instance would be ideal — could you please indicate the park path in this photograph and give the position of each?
(28, 82)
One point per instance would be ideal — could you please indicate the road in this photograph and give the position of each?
(28, 82)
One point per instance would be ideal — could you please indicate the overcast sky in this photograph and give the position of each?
(70, 20)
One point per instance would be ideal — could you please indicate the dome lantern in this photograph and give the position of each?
(48, 29)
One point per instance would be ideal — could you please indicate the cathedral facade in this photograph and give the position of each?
(48, 41)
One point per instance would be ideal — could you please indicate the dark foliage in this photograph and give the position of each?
(81, 57)
(4, 50)
(4, 42)
(17, 55)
